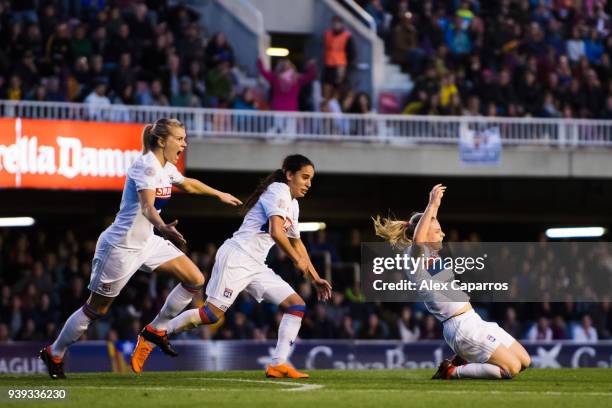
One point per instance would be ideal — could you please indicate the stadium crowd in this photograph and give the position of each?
(44, 277)
(547, 58)
(544, 58)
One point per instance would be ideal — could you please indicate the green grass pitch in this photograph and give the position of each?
(539, 388)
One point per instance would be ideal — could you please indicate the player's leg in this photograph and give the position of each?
(112, 268)
(294, 308)
(483, 345)
(519, 351)
(271, 287)
(192, 282)
(77, 324)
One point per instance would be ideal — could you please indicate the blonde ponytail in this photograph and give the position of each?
(392, 231)
(398, 233)
(147, 135)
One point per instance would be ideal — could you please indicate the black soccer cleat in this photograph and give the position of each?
(444, 371)
(160, 341)
(457, 360)
(55, 368)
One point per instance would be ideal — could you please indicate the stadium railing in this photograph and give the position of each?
(371, 128)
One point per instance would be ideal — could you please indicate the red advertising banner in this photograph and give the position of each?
(58, 154)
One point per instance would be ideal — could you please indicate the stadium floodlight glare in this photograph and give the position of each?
(312, 226)
(16, 221)
(575, 232)
(277, 52)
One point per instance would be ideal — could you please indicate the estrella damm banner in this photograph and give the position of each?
(63, 154)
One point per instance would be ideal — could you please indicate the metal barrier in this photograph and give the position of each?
(293, 126)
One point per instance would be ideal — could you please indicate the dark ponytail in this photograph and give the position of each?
(292, 163)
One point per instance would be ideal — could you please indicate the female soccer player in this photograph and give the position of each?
(129, 244)
(483, 349)
(272, 217)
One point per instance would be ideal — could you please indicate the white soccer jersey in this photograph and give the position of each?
(442, 304)
(253, 237)
(131, 229)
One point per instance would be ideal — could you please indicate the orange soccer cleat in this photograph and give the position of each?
(284, 371)
(140, 354)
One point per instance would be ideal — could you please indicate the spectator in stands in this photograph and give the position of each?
(220, 86)
(374, 329)
(559, 328)
(5, 334)
(322, 326)
(347, 330)
(375, 9)
(219, 51)
(540, 330)
(286, 82)
(80, 45)
(58, 47)
(430, 329)
(97, 101)
(338, 55)
(408, 330)
(585, 332)
(510, 323)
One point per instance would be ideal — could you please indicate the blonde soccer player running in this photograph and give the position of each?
(271, 218)
(129, 244)
(482, 349)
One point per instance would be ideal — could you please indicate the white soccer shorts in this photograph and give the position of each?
(474, 339)
(113, 267)
(235, 271)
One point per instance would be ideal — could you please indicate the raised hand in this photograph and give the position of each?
(436, 194)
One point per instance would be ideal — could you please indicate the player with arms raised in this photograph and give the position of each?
(483, 349)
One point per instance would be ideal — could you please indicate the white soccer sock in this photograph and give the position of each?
(476, 370)
(176, 301)
(73, 329)
(287, 333)
(189, 319)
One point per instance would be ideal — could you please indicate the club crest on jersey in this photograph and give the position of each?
(490, 338)
(228, 292)
(150, 171)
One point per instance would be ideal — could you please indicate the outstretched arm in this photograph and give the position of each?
(431, 212)
(194, 186)
(324, 289)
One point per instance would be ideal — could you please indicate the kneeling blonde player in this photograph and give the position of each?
(272, 217)
(482, 349)
(129, 244)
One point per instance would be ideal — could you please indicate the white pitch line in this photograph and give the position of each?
(295, 387)
(298, 387)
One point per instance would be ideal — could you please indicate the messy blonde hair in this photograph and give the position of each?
(396, 232)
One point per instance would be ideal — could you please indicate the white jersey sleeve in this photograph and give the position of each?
(145, 175)
(175, 176)
(294, 230)
(276, 201)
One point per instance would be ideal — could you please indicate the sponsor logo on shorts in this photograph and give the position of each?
(490, 338)
(228, 292)
(107, 287)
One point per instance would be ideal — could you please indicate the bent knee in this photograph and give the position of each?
(512, 369)
(525, 362)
